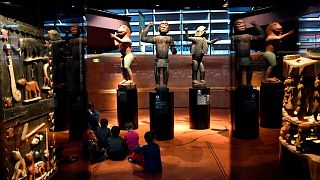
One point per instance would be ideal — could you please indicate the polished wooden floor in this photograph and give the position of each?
(192, 154)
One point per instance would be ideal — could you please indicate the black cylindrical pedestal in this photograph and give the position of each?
(245, 116)
(162, 114)
(199, 108)
(271, 97)
(127, 107)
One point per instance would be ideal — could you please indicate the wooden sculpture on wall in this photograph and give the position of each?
(31, 90)
(7, 102)
(29, 48)
(19, 167)
(30, 166)
(16, 94)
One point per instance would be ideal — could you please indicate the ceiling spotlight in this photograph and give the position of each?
(225, 5)
(157, 5)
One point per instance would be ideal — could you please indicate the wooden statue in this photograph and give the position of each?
(123, 42)
(241, 41)
(273, 42)
(31, 89)
(198, 49)
(162, 42)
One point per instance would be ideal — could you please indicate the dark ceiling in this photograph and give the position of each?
(37, 11)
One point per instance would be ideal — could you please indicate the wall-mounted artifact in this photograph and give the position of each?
(31, 171)
(47, 77)
(123, 42)
(316, 98)
(199, 48)
(162, 42)
(29, 49)
(51, 121)
(7, 102)
(20, 170)
(9, 133)
(31, 90)
(25, 135)
(4, 35)
(16, 94)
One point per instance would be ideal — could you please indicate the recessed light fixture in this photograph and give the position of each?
(225, 5)
(157, 5)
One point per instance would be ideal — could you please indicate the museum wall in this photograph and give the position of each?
(104, 76)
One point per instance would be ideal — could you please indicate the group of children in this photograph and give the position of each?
(102, 143)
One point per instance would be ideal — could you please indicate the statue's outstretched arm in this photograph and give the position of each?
(144, 37)
(261, 34)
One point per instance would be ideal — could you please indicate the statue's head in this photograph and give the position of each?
(53, 35)
(123, 31)
(274, 28)
(75, 29)
(200, 31)
(164, 27)
(240, 25)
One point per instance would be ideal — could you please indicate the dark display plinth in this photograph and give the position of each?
(271, 97)
(245, 112)
(199, 108)
(162, 114)
(127, 107)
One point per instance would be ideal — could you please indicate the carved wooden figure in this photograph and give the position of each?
(47, 79)
(162, 43)
(123, 42)
(30, 166)
(16, 94)
(316, 99)
(7, 102)
(288, 93)
(19, 167)
(31, 89)
(199, 48)
(273, 42)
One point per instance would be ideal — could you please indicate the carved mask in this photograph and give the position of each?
(164, 27)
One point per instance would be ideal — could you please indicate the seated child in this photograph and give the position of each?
(117, 147)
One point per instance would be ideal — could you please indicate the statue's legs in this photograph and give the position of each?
(202, 72)
(249, 74)
(165, 76)
(157, 76)
(271, 59)
(195, 67)
(239, 74)
(127, 73)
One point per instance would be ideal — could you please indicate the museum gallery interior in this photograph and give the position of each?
(211, 89)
